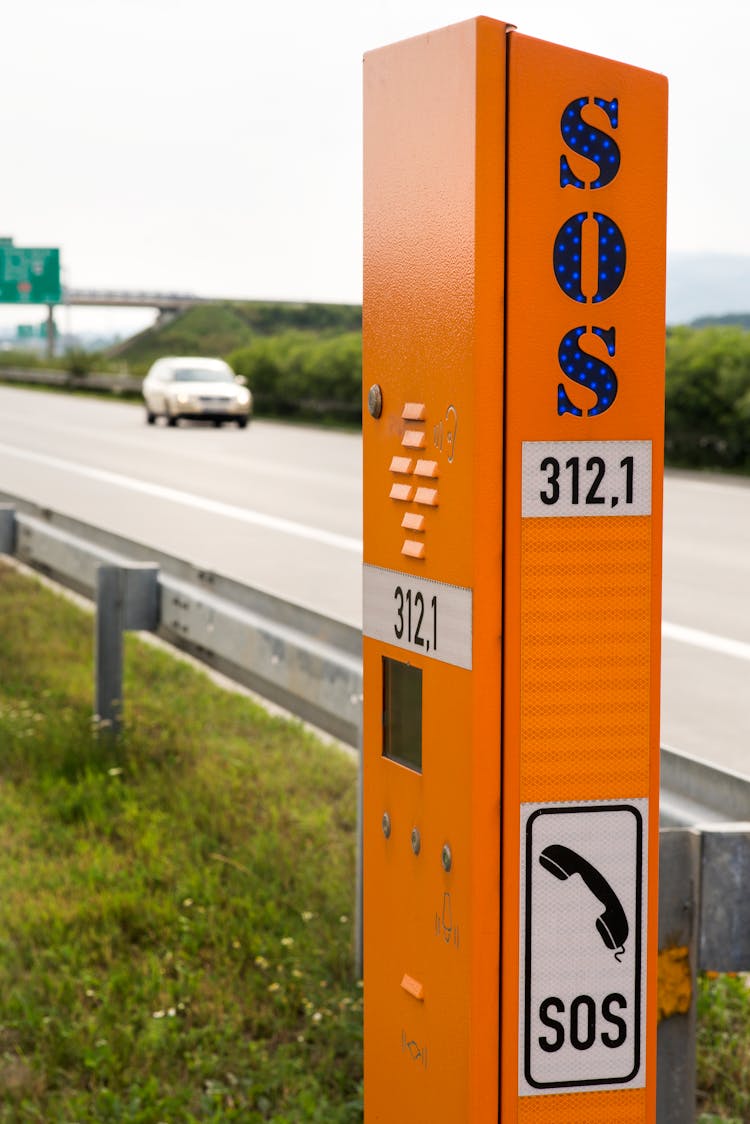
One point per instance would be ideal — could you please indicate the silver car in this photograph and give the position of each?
(201, 389)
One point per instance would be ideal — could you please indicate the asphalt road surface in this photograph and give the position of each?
(278, 507)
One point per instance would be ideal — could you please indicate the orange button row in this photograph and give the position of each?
(405, 466)
(428, 497)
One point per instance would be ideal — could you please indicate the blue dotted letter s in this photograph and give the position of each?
(586, 370)
(589, 142)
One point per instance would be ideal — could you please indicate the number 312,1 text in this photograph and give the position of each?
(416, 619)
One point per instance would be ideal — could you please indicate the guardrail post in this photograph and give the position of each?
(127, 597)
(7, 528)
(679, 915)
(725, 898)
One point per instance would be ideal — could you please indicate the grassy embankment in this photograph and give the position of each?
(175, 933)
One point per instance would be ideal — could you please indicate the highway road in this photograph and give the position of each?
(274, 506)
(278, 507)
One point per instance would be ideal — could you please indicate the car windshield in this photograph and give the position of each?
(201, 374)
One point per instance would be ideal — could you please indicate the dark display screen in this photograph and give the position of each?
(402, 713)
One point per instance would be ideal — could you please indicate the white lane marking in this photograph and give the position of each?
(140, 443)
(740, 488)
(174, 495)
(721, 644)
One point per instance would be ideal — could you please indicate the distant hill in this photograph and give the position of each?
(701, 286)
(218, 329)
(731, 320)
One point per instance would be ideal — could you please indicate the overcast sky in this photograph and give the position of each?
(215, 147)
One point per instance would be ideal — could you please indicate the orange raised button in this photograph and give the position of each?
(401, 492)
(413, 439)
(413, 549)
(414, 987)
(426, 468)
(414, 411)
(427, 496)
(412, 521)
(402, 464)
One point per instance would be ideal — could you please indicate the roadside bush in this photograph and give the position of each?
(708, 397)
(79, 362)
(299, 374)
(263, 364)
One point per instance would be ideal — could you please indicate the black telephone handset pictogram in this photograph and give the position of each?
(613, 924)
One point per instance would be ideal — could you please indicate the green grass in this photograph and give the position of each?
(723, 1072)
(175, 933)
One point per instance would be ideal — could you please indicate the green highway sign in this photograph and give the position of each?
(31, 331)
(29, 275)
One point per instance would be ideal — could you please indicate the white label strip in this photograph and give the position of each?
(418, 615)
(574, 478)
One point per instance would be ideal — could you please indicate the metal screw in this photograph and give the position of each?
(386, 822)
(375, 401)
(416, 840)
(447, 858)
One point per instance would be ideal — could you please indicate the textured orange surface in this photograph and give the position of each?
(585, 658)
(628, 1106)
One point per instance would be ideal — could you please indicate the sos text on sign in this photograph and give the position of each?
(583, 234)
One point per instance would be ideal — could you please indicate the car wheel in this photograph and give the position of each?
(217, 423)
(172, 419)
(242, 423)
(150, 418)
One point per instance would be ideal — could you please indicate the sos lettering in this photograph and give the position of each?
(589, 256)
(584, 1029)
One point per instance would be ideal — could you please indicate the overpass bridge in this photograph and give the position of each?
(165, 303)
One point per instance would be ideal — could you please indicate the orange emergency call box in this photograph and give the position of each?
(513, 451)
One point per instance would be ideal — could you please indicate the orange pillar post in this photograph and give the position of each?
(513, 349)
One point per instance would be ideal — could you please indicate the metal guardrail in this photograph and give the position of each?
(695, 792)
(50, 376)
(305, 662)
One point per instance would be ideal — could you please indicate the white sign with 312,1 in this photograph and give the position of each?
(417, 614)
(577, 478)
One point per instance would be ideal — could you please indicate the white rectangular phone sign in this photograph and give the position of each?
(582, 946)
